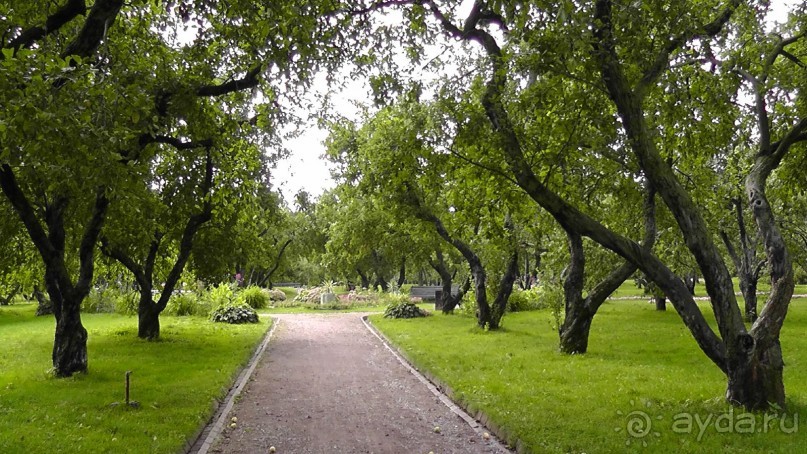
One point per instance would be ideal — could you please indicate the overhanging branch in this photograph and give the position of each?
(53, 23)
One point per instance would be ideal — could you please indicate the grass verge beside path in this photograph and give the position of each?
(175, 380)
(644, 386)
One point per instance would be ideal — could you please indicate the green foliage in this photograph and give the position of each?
(800, 275)
(188, 303)
(468, 304)
(527, 300)
(551, 294)
(309, 295)
(328, 286)
(110, 300)
(255, 297)
(403, 308)
(221, 295)
(235, 313)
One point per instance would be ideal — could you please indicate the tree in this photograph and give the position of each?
(630, 67)
(391, 157)
(145, 268)
(89, 91)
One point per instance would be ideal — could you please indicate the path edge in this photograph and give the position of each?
(224, 407)
(446, 395)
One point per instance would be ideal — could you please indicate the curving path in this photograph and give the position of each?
(326, 384)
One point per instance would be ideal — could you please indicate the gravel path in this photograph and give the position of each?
(326, 384)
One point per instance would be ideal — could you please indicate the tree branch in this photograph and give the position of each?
(125, 260)
(88, 240)
(250, 80)
(53, 23)
(662, 60)
(20, 203)
(101, 16)
(146, 139)
(186, 244)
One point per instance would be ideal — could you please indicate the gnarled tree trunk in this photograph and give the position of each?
(70, 342)
(579, 311)
(148, 317)
(148, 310)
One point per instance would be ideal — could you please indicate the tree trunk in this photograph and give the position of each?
(449, 301)
(45, 306)
(748, 287)
(70, 341)
(690, 279)
(661, 302)
(574, 332)
(480, 292)
(579, 311)
(148, 319)
(505, 290)
(380, 282)
(365, 281)
(5, 301)
(755, 374)
(402, 273)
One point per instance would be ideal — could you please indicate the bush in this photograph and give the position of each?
(234, 314)
(184, 304)
(276, 294)
(468, 304)
(221, 295)
(100, 300)
(110, 300)
(800, 275)
(404, 309)
(526, 300)
(254, 297)
(126, 302)
(309, 295)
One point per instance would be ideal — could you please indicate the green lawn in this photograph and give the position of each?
(629, 289)
(641, 364)
(176, 381)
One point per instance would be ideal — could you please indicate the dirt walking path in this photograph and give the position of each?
(326, 384)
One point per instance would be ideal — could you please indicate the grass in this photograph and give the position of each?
(629, 289)
(176, 381)
(640, 363)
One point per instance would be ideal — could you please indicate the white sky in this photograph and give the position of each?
(306, 169)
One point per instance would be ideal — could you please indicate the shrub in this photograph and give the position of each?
(309, 295)
(184, 304)
(526, 300)
(234, 314)
(110, 300)
(800, 275)
(221, 295)
(468, 304)
(403, 308)
(363, 296)
(276, 294)
(253, 296)
(100, 300)
(126, 302)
